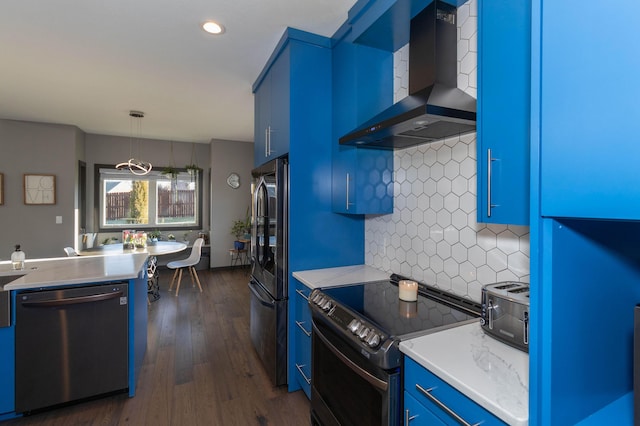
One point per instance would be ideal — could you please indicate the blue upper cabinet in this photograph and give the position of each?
(589, 110)
(503, 111)
(272, 108)
(362, 181)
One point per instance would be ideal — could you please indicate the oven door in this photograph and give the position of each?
(348, 390)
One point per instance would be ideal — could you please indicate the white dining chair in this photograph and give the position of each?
(188, 263)
(71, 252)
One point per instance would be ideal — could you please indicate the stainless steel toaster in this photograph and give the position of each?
(505, 313)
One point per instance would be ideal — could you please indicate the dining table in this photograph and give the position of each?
(154, 249)
(158, 248)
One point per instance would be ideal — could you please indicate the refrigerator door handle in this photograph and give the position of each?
(271, 303)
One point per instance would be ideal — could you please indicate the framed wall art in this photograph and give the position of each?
(1, 189)
(39, 189)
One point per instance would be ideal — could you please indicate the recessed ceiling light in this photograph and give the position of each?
(213, 27)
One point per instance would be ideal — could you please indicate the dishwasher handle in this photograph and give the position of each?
(55, 303)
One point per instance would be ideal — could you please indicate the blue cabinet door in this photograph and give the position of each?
(272, 110)
(503, 111)
(7, 370)
(362, 179)
(416, 414)
(589, 111)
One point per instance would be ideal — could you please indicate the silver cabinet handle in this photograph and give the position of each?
(490, 159)
(525, 330)
(407, 419)
(304, 376)
(304, 330)
(348, 181)
(301, 293)
(449, 411)
(266, 141)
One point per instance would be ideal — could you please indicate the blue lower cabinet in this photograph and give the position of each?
(7, 370)
(433, 401)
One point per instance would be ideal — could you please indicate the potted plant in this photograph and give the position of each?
(239, 229)
(154, 236)
(170, 172)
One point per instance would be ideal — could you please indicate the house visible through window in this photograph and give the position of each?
(152, 201)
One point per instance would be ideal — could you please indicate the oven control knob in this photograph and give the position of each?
(373, 340)
(326, 305)
(353, 325)
(362, 334)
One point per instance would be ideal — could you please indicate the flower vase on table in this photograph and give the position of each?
(127, 239)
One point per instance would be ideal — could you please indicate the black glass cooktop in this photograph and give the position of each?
(378, 302)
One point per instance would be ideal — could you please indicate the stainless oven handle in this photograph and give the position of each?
(449, 411)
(370, 378)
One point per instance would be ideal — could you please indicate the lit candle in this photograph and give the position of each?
(408, 290)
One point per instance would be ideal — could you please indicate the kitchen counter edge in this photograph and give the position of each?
(340, 276)
(42, 273)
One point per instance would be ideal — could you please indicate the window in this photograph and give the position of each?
(152, 201)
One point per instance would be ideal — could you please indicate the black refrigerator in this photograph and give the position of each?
(269, 266)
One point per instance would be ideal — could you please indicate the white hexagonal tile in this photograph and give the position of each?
(487, 239)
(463, 14)
(451, 268)
(451, 202)
(486, 275)
(423, 202)
(412, 174)
(412, 229)
(412, 201)
(423, 260)
(451, 235)
(452, 170)
(412, 258)
(474, 291)
(437, 171)
(459, 151)
(463, 81)
(458, 285)
(469, 28)
(430, 247)
(468, 237)
(423, 231)
(405, 188)
(459, 185)
(436, 233)
(468, 167)
(459, 219)
(416, 216)
(430, 187)
(468, 202)
(443, 249)
(459, 252)
(444, 218)
(508, 242)
(463, 48)
(477, 256)
(405, 242)
(436, 202)
(444, 154)
(430, 157)
(497, 260)
(506, 275)
(518, 263)
(436, 264)
(444, 186)
(468, 271)
(401, 228)
(423, 173)
(430, 217)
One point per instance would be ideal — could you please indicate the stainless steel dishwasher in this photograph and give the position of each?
(71, 344)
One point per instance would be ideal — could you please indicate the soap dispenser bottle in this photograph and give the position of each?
(17, 258)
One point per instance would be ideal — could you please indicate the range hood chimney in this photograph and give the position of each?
(435, 108)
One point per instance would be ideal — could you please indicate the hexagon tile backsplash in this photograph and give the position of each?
(432, 235)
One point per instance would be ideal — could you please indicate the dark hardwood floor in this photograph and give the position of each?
(200, 367)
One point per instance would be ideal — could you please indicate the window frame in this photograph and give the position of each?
(99, 196)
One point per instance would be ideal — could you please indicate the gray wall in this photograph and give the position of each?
(27, 147)
(228, 204)
(104, 149)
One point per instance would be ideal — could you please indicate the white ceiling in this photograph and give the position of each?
(88, 62)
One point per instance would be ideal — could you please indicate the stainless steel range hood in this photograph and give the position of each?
(435, 108)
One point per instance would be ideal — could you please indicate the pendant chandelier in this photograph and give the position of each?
(135, 166)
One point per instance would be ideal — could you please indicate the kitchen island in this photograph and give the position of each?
(76, 273)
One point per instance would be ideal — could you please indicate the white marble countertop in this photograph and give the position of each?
(491, 373)
(333, 277)
(40, 273)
